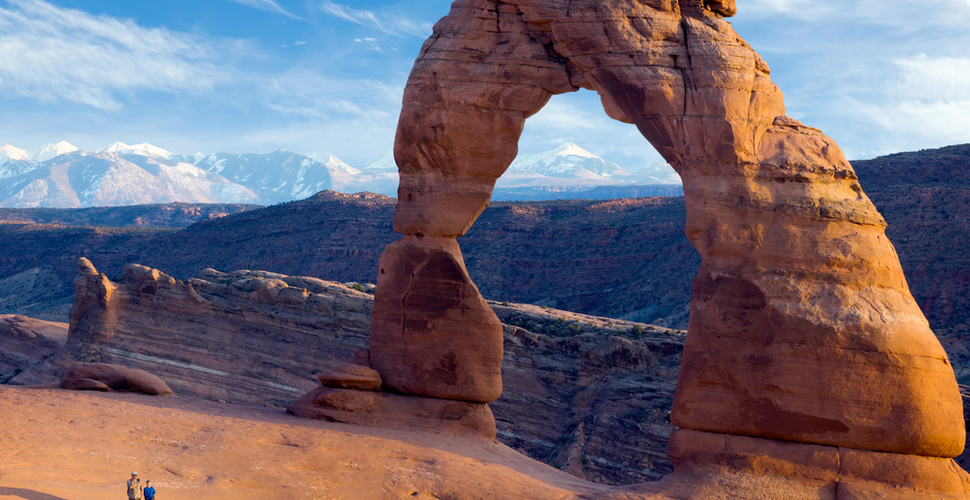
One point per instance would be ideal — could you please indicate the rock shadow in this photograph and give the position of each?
(28, 494)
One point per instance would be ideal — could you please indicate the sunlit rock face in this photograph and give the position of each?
(802, 325)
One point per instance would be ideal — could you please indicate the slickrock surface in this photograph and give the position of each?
(198, 450)
(395, 411)
(589, 395)
(192, 449)
(351, 376)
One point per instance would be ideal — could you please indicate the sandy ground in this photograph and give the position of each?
(58, 444)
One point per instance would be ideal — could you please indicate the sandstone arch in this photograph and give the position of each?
(802, 326)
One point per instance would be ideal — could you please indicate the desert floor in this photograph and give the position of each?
(58, 444)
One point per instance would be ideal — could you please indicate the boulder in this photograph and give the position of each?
(396, 411)
(351, 376)
(84, 384)
(117, 377)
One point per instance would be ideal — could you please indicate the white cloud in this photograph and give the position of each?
(266, 5)
(54, 54)
(896, 13)
(930, 100)
(388, 23)
(940, 78)
(879, 76)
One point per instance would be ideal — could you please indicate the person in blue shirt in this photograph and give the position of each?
(149, 491)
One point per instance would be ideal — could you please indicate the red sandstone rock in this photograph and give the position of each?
(565, 391)
(215, 337)
(84, 384)
(116, 377)
(361, 357)
(346, 400)
(432, 334)
(26, 343)
(351, 376)
(712, 465)
(802, 326)
(394, 411)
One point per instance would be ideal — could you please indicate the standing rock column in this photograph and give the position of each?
(471, 89)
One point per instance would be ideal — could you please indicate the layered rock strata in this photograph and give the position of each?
(247, 336)
(27, 342)
(590, 395)
(802, 326)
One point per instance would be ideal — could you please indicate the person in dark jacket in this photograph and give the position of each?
(149, 491)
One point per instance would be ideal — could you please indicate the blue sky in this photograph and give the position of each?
(327, 75)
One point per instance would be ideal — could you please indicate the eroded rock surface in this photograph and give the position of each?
(245, 336)
(590, 395)
(104, 376)
(27, 342)
(433, 334)
(802, 326)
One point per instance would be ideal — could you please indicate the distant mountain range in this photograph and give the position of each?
(62, 176)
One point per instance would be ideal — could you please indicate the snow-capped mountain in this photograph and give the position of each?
(384, 164)
(568, 161)
(13, 161)
(51, 151)
(568, 170)
(60, 175)
(276, 177)
(333, 163)
(11, 153)
(379, 176)
(143, 149)
(83, 179)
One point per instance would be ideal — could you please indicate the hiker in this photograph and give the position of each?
(149, 491)
(134, 487)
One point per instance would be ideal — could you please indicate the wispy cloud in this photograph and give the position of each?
(899, 13)
(266, 5)
(53, 54)
(879, 76)
(391, 24)
(929, 100)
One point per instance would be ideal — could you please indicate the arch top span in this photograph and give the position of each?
(676, 70)
(802, 326)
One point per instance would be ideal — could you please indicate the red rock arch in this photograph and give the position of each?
(802, 326)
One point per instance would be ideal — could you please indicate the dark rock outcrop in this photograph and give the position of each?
(27, 342)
